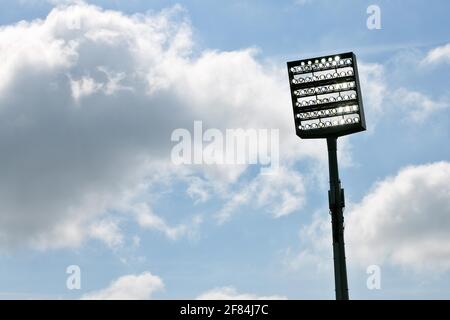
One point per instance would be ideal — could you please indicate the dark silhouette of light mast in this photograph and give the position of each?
(327, 103)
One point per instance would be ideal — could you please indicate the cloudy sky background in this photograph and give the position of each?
(91, 92)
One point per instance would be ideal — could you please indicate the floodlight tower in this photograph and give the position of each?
(326, 97)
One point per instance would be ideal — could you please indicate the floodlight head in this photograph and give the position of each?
(326, 96)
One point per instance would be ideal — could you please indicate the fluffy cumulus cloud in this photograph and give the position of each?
(230, 293)
(315, 240)
(403, 221)
(382, 97)
(416, 105)
(279, 194)
(129, 287)
(108, 231)
(373, 82)
(90, 98)
(438, 55)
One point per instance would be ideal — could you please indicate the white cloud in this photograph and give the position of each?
(316, 241)
(280, 194)
(230, 293)
(129, 287)
(380, 98)
(198, 189)
(147, 219)
(438, 55)
(373, 83)
(108, 231)
(416, 105)
(84, 87)
(88, 109)
(403, 221)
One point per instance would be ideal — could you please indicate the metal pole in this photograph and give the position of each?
(336, 201)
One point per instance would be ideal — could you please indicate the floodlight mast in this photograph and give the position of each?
(327, 103)
(337, 204)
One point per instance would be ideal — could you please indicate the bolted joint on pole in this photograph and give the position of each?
(333, 195)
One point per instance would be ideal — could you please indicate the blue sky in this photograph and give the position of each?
(87, 117)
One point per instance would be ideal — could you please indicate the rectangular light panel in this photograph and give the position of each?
(326, 96)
